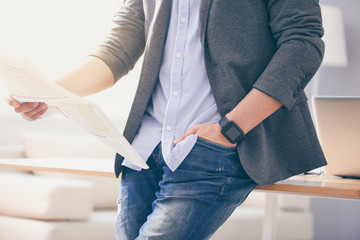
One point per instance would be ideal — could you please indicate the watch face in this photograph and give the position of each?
(232, 132)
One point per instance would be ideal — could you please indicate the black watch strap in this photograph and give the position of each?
(231, 130)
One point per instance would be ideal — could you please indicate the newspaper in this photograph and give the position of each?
(25, 84)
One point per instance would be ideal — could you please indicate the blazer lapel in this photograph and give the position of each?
(156, 38)
(203, 18)
(160, 17)
(151, 65)
(155, 44)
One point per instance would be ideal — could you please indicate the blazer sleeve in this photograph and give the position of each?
(125, 42)
(296, 26)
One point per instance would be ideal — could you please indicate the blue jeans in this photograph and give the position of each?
(189, 203)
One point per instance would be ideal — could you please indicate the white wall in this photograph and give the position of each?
(345, 80)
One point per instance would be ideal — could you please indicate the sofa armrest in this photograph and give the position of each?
(11, 151)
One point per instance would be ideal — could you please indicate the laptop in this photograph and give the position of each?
(337, 121)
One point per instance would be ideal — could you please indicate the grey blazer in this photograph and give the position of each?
(274, 46)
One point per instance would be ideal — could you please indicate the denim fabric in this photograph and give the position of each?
(190, 203)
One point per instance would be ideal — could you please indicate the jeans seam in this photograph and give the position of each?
(221, 193)
(128, 219)
(200, 222)
(127, 215)
(228, 182)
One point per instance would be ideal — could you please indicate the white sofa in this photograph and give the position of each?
(54, 206)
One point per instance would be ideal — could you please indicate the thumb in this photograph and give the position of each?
(12, 102)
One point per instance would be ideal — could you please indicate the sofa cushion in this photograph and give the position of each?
(100, 225)
(31, 196)
(40, 144)
(11, 151)
(105, 189)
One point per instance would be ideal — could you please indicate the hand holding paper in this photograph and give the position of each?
(25, 84)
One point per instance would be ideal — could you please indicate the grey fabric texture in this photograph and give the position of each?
(274, 46)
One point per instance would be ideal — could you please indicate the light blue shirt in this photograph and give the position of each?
(182, 96)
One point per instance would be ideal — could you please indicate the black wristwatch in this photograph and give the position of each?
(231, 130)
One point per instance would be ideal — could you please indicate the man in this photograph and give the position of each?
(220, 106)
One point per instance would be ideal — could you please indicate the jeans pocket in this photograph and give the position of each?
(216, 146)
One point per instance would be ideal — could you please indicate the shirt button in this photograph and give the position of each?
(175, 93)
(168, 128)
(178, 55)
(183, 19)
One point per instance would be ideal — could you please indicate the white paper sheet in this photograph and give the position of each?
(25, 84)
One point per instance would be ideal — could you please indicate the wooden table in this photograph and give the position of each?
(317, 185)
(313, 185)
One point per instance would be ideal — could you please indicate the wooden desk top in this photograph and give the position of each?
(315, 185)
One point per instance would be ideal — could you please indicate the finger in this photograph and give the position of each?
(12, 102)
(39, 114)
(36, 110)
(192, 130)
(180, 139)
(26, 107)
